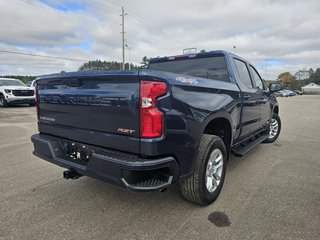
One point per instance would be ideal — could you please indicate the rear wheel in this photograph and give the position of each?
(205, 184)
(3, 102)
(274, 129)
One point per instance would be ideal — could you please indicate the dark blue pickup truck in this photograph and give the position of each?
(177, 121)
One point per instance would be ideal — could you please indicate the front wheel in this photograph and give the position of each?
(205, 184)
(3, 102)
(274, 129)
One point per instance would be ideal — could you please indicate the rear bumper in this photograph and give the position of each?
(122, 169)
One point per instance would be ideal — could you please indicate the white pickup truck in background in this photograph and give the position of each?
(14, 91)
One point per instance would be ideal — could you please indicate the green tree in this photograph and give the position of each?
(145, 62)
(297, 84)
(315, 76)
(311, 71)
(286, 79)
(98, 65)
(24, 79)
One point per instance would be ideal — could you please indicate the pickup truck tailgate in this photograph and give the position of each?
(100, 108)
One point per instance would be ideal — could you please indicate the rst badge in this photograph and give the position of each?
(187, 80)
(124, 130)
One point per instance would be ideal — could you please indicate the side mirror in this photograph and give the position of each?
(274, 87)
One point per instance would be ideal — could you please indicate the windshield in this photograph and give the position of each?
(211, 67)
(11, 83)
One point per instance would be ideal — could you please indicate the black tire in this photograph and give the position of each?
(194, 187)
(32, 104)
(3, 102)
(270, 139)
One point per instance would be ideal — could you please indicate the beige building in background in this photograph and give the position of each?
(311, 88)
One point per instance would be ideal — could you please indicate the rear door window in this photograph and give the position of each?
(256, 78)
(243, 73)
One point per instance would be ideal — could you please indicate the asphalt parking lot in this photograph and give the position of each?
(271, 193)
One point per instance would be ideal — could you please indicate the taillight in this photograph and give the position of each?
(151, 118)
(37, 101)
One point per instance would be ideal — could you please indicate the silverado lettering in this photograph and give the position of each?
(82, 100)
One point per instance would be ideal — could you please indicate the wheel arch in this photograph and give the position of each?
(4, 101)
(221, 126)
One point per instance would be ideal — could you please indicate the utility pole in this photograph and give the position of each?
(129, 60)
(123, 44)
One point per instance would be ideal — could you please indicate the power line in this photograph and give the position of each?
(30, 27)
(142, 21)
(51, 10)
(97, 5)
(44, 56)
(112, 10)
(147, 22)
(136, 17)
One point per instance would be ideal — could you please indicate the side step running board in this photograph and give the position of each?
(242, 150)
(154, 183)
